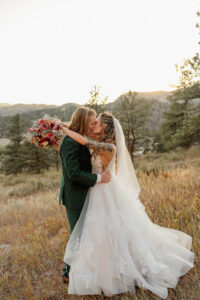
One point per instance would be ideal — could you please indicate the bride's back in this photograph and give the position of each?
(104, 160)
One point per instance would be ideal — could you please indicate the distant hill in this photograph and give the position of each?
(9, 110)
(30, 112)
(5, 104)
(157, 95)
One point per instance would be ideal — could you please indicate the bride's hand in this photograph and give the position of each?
(58, 121)
(62, 124)
(65, 129)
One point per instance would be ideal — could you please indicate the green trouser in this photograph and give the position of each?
(73, 216)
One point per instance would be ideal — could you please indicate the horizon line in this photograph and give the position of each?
(33, 103)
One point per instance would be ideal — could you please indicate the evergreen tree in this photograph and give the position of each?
(173, 123)
(195, 124)
(22, 156)
(11, 158)
(189, 88)
(34, 159)
(184, 135)
(54, 158)
(181, 125)
(16, 130)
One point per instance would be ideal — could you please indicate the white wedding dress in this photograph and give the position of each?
(115, 246)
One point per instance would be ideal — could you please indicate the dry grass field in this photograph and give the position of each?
(34, 231)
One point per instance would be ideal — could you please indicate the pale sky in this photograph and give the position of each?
(54, 51)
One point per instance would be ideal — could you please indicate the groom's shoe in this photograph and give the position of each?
(65, 279)
(65, 273)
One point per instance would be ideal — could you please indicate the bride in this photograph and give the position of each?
(114, 245)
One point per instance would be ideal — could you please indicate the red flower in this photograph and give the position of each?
(44, 127)
(50, 135)
(30, 130)
(41, 121)
(51, 125)
(57, 127)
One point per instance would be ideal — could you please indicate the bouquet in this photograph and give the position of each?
(46, 132)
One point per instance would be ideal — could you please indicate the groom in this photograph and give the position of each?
(76, 170)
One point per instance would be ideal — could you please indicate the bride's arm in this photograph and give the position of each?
(75, 136)
(88, 142)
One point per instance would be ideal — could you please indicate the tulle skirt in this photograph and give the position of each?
(115, 246)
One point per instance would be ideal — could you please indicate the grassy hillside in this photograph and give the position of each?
(155, 162)
(34, 230)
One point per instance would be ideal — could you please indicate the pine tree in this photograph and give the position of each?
(181, 126)
(195, 124)
(34, 159)
(11, 159)
(22, 156)
(54, 158)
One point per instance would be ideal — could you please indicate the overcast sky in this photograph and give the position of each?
(54, 51)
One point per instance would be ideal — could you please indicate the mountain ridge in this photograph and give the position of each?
(7, 109)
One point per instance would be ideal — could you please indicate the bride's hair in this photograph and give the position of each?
(109, 132)
(80, 119)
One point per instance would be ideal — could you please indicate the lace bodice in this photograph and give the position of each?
(97, 165)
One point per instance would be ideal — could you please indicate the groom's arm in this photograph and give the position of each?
(70, 156)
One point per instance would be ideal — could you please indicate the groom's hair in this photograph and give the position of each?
(80, 119)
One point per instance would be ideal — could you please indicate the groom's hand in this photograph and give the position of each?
(105, 177)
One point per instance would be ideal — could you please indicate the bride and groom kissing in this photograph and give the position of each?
(76, 166)
(113, 244)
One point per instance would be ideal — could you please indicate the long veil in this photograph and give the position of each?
(124, 166)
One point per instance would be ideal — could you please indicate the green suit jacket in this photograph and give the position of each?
(76, 174)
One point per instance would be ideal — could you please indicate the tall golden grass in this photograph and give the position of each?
(34, 232)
